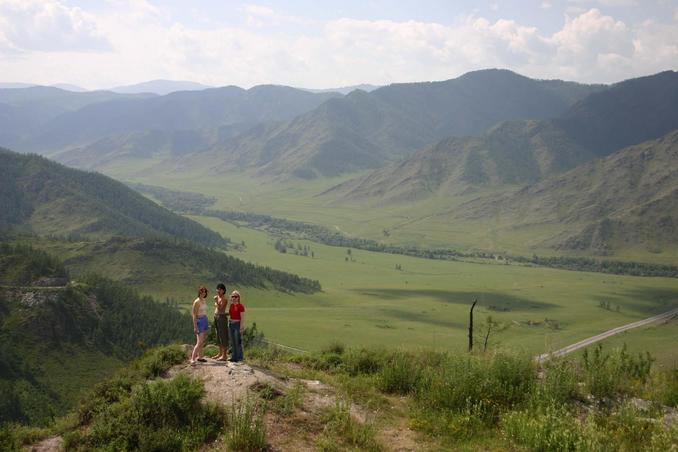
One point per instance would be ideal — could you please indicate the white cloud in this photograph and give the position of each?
(612, 3)
(270, 47)
(49, 25)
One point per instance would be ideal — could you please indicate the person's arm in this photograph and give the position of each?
(242, 318)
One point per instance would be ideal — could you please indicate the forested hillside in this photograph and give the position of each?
(157, 263)
(57, 341)
(48, 198)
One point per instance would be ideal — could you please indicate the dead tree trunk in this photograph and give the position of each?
(487, 334)
(470, 326)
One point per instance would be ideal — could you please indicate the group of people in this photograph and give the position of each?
(229, 321)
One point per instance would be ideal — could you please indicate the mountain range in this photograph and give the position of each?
(490, 132)
(281, 130)
(366, 130)
(627, 199)
(528, 151)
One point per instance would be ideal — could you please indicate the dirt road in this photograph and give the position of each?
(576, 346)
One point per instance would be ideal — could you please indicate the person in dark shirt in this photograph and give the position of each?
(221, 321)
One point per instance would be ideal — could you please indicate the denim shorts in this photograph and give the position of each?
(202, 324)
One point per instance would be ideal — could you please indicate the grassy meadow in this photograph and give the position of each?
(426, 222)
(367, 301)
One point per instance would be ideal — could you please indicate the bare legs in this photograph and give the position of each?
(199, 344)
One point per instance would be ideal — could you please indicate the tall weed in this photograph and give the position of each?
(246, 427)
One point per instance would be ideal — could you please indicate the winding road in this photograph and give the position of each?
(576, 346)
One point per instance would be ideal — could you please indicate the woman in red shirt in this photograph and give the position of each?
(236, 326)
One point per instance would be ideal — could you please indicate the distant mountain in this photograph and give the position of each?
(25, 111)
(513, 152)
(11, 85)
(179, 111)
(48, 198)
(344, 89)
(627, 199)
(628, 113)
(525, 152)
(160, 87)
(70, 87)
(365, 130)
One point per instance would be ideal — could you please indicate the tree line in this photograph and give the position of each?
(321, 234)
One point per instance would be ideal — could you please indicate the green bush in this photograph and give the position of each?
(364, 361)
(246, 427)
(13, 437)
(335, 347)
(559, 384)
(160, 415)
(664, 387)
(489, 383)
(608, 375)
(342, 427)
(550, 429)
(401, 374)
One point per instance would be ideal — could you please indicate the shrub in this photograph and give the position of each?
(400, 374)
(610, 374)
(664, 387)
(559, 384)
(486, 383)
(341, 425)
(550, 429)
(334, 347)
(160, 415)
(246, 427)
(364, 361)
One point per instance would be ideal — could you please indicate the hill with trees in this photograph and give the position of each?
(48, 198)
(59, 340)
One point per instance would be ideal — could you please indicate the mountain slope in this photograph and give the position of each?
(628, 113)
(514, 152)
(627, 199)
(24, 111)
(184, 110)
(525, 152)
(364, 130)
(48, 198)
(58, 341)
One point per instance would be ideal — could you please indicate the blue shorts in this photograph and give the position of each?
(202, 324)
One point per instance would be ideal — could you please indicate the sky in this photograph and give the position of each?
(324, 44)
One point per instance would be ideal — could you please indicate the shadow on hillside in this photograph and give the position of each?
(428, 318)
(491, 300)
(647, 301)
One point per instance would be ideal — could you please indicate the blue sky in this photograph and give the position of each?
(319, 44)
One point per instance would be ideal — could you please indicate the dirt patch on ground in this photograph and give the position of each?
(52, 444)
(303, 428)
(226, 382)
